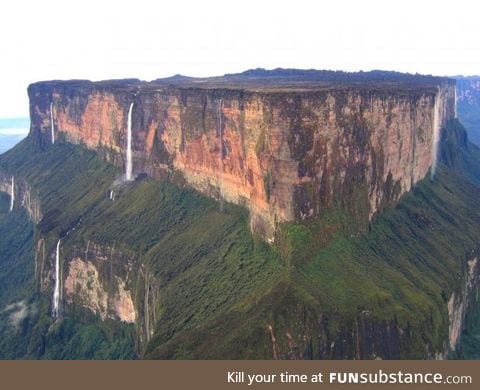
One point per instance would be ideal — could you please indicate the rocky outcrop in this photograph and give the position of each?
(147, 301)
(460, 301)
(83, 283)
(100, 279)
(366, 339)
(286, 154)
(96, 278)
(24, 195)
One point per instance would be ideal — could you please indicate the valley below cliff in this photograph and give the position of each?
(260, 222)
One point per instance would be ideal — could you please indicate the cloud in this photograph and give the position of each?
(13, 131)
(19, 311)
(209, 37)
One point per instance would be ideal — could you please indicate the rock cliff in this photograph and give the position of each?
(459, 303)
(468, 101)
(192, 282)
(23, 195)
(288, 152)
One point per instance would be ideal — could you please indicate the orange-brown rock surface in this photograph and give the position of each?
(286, 154)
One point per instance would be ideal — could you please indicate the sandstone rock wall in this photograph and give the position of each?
(286, 156)
(98, 278)
(24, 195)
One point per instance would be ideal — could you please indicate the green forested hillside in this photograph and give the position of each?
(223, 292)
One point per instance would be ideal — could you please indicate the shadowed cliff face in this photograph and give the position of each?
(468, 100)
(285, 155)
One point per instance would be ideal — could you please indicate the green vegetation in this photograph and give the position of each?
(26, 327)
(204, 259)
(220, 289)
(16, 266)
(469, 346)
(401, 273)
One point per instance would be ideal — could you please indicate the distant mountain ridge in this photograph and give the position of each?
(468, 105)
(12, 131)
(276, 79)
(333, 75)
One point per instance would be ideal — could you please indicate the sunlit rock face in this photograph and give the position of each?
(287, 154)
(95, 283)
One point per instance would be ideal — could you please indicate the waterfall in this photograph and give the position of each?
(56, 291)
(436, 133)
(456, 100)
(128, 167)
(12, 194)
(52, 126)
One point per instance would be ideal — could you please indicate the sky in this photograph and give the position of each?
(61, 39)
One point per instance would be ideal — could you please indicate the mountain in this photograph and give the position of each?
(9, 141)
(468, 102)
(285, 152)
(284, 215)
(12, 131)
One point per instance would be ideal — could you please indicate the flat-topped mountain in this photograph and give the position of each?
(285, 214)
(277, 80)
(287, 144)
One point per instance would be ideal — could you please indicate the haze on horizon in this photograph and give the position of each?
(54, 39)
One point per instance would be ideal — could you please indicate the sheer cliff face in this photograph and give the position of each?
(285, 155)
(24, 196)
(95, 277)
